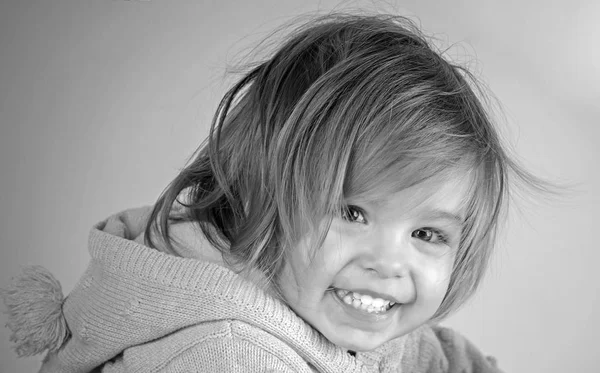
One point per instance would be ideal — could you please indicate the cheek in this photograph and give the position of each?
(433, 280)
(312, 271)
(328, 259)
(305, 273)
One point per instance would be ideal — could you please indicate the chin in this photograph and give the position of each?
(359, 342)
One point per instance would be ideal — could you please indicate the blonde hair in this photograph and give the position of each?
(349, 104)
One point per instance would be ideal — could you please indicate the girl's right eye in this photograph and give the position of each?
(353, 214)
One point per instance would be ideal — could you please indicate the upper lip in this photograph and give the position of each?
(375, 294)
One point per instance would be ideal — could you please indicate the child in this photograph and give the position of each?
(346, 200)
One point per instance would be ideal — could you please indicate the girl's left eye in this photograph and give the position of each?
(353, 214)
(430, 235)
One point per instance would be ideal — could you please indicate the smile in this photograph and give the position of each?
(364, 302)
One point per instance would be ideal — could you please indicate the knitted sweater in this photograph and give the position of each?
(138, 309)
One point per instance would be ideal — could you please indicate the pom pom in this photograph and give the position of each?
(34, 307)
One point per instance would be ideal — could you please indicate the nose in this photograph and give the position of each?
(389, 253)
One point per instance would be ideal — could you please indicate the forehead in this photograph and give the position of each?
(437, 197)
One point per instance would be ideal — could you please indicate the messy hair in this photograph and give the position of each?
(348, 105)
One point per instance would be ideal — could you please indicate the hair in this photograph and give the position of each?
(348, 105)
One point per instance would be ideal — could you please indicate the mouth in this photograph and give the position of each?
(364, 302)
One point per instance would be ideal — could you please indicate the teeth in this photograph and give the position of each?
(364, 302)
(341, 293)
(367, 299)
(378, 302)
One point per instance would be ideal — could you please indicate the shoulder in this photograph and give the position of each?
(217, 346)
(440, 349)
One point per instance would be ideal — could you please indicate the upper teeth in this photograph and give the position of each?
(363, 300)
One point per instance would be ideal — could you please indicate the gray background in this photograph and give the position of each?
(101, 102)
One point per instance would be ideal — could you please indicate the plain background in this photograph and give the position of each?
(101, 102)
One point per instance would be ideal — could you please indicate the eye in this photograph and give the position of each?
(353, 214)
(430, 235)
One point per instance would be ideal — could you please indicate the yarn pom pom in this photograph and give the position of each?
(34, 307)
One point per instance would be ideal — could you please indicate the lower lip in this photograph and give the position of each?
(363, 316)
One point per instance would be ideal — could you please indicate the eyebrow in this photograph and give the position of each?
(445, 215)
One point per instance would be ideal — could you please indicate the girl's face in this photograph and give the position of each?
(384, 267)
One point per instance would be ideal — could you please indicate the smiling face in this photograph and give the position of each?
(384, 267)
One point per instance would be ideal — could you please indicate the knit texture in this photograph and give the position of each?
(138, 309)
(34, 308)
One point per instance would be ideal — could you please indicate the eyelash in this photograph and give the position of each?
(441, 237)
(354, 214)
(349, 216)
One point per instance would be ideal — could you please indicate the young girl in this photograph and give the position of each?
(345, 201)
